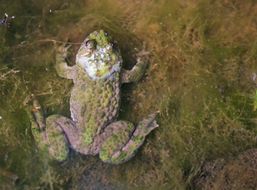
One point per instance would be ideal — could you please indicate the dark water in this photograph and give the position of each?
(200, 76)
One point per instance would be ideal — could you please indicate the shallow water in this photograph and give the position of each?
(200, 77)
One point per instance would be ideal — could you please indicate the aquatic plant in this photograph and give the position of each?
(202, 54)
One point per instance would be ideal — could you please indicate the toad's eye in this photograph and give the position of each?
(108, 47)
(91, 44)
(115, 45)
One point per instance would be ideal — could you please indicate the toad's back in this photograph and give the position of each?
(94, 104)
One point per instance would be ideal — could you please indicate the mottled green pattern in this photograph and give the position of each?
(101, 102)
(202, 60)
(255, 101)
(116, 142)
(51, 140)
(56, 142)
(94, 102)
(101, 38)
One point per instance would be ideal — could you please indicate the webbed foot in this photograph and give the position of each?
(47, 133)
(126, 139)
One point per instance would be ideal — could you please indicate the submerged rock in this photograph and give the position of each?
(237, 173)
(95, 177)
(8, 180)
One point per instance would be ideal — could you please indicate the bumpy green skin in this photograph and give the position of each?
(51, 139)
(116, 141)
(94, 108)
(94, 105)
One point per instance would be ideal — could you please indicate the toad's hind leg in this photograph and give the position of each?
(125, 139)
(49, 133)
(57, 141)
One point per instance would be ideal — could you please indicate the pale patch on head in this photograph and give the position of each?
(97, 56)
(99, 64)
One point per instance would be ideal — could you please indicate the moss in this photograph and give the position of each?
(90, 131)
(255, 101)
(101, 38)
(36, 134)
(202, 55)
(138, 139)
(62, 155)
(129, 126)
(122, 156)
(116, 142)
(104, 155)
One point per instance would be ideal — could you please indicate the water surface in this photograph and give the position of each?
(200, 77)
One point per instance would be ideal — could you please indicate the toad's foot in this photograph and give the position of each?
(48, 133)
(116, 149)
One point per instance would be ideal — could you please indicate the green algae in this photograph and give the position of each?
(100, 38)
(89, 131)
(203, 54)
(115, 143)
(255, 101)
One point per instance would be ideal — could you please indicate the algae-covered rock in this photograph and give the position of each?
(236, 173)
(7, 179)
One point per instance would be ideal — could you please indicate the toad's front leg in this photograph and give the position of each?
(63, 70)
(137, 72)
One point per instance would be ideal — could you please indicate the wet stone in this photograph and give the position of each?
(234, 173)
